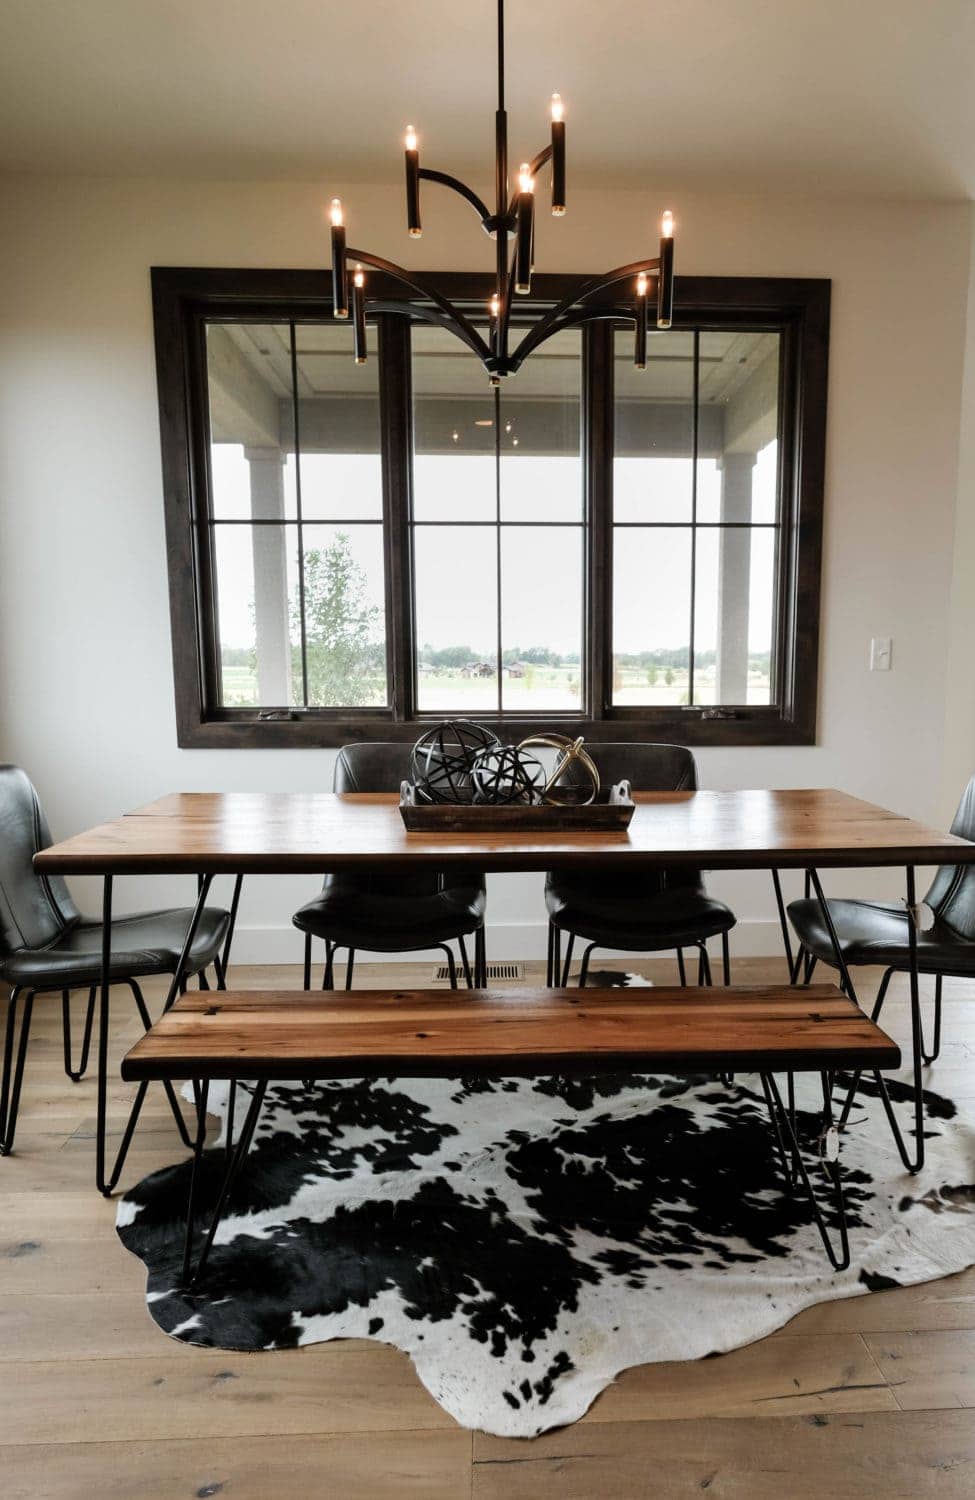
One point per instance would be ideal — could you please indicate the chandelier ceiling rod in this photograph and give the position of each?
(513, 219)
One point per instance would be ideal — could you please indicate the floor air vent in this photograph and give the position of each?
(494, 971)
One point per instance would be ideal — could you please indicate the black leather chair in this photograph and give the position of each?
(47, 946)
(875, 932)
(383, 911)
(645, 912)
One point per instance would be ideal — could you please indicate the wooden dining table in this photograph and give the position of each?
(243, 833)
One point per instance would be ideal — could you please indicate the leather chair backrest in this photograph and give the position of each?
(648, 768)
(952, 892)
(380, 766)
(34, 910)
(377, 766)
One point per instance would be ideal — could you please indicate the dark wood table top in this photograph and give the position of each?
(280, 832)
(415, 1033)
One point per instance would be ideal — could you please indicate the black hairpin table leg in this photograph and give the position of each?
(106, 1181)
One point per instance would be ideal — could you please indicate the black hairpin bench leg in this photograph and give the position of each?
(235, 1158)
(788, 1146)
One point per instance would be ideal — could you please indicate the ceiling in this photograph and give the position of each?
(833, 96)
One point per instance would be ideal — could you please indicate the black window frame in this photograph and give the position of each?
(184, 299)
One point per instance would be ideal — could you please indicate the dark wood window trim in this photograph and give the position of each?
(796, 308)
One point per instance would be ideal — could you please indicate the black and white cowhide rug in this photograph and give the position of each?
(525, 1241)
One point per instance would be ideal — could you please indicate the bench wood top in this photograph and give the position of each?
(279, 1034)
(276, 832)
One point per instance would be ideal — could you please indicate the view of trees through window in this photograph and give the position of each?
(498, 532)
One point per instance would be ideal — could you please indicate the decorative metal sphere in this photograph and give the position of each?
(443, 758)
(575, 779)
(505, 774)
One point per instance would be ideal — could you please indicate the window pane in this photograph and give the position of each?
(251, 437)
(454, 471)
(541, 467)
(733, 611)
(654, 457)
(338, 425)
(651, 615)
(541, 614)
(739, 415)
(255, 568)
(456, 618)
(345, 620)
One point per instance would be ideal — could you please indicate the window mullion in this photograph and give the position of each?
(396, 428)
(300, 528)
(597, 438)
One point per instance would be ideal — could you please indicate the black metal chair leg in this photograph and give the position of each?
(468, 975)
(350, 962)
(76, 1074)
(681, 968)
(480, 957)
(328, 976)
(13, 1066)
(221, 973)
(930, 1057)
(584, 966)
(568, 960)
(725, 959)
(549, 978)
(451, 966)
(556, 956)
(703, 965)
(306, 977)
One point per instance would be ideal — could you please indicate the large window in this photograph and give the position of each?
(628, 553)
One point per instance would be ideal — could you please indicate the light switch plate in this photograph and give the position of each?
(880, 648)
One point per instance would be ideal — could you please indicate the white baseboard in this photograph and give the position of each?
(525, 940)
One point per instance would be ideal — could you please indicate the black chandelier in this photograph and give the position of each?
(513, 220)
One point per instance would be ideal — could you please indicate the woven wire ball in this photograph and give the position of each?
(505, 774)
(443, 759)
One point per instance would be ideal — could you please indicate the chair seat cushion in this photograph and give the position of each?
(144, 943)
(875, 932)
(634, 914)
(353, 914)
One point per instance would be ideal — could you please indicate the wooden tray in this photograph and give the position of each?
(612, 809)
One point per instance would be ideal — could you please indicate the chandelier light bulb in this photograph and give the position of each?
(525, 180)
(495, 305)
(410, 140)
(359, 278)
(667, 225)
(558, 110)
(641, 284)
(336, 212)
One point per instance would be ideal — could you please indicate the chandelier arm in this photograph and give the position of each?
(454, 319)
(555, 322)
(599, 284)
(445, 179)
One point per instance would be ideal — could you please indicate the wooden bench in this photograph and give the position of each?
(262, 1036)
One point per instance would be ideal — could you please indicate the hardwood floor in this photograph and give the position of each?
(853, 1398)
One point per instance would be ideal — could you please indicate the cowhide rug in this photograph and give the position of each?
(524, 1241)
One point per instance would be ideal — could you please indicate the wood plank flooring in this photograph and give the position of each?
(868, 1396)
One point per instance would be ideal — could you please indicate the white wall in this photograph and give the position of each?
(86, 698)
